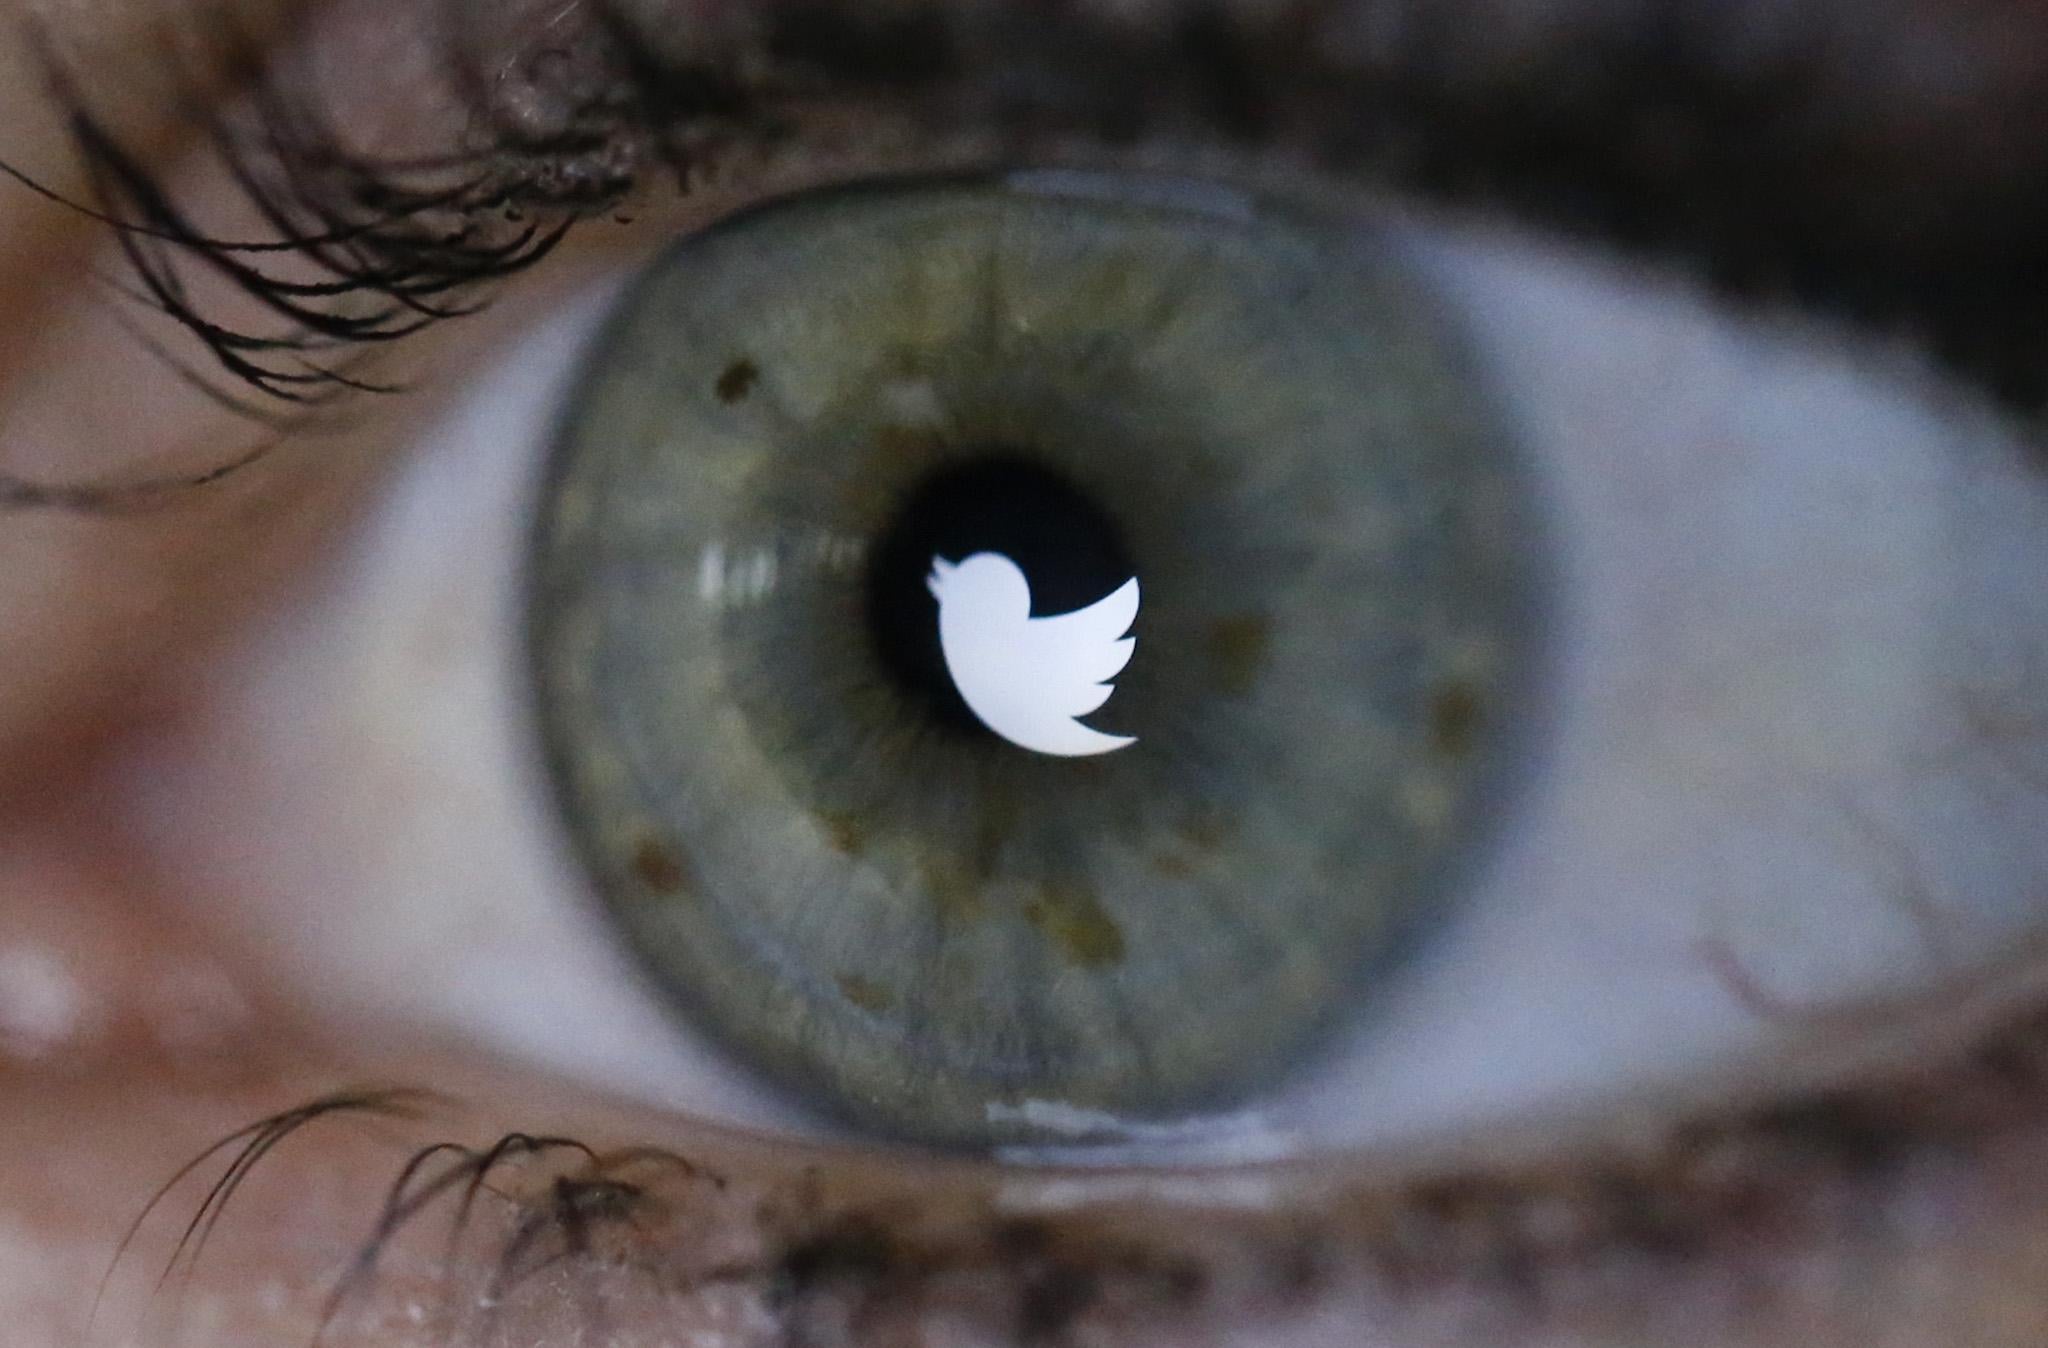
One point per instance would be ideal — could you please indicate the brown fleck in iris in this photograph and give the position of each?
(1238, 647)
(1455, 713)
(908, 447)
(738, 380)
(897, 454)
(865, 993)
(993, 825)
(1205, 829)
(955, 891)
(845, 831)
(658, 867)
(1070, 917)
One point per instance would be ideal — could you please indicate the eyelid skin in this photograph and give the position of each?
(1610, 121)
(1907, 1211)
(112, 602)
(1817, 1222)
(563, 110)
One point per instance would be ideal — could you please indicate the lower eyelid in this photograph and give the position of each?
(1815, 1216)
(1804, 1211)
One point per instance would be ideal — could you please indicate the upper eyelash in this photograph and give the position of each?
(389, 248)
(1615, 160)
(362, 252)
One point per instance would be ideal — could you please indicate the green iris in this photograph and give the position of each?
(911, 921)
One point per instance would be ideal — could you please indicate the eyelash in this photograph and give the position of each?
(394, 247)
(1511, 1250)
(364, 252)
(388, 248)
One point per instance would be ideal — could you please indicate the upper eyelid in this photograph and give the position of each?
(350, 248)
(1773, 155)
(580, 103)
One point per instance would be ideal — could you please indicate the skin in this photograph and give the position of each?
(1890, 1186)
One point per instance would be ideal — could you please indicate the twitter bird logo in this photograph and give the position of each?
(1029, 678)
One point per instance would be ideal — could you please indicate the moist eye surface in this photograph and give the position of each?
(998, 647)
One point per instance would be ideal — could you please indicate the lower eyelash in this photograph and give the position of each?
(539, 1238)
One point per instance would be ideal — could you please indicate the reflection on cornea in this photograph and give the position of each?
(1069, 1193)
(1089, 1137)
(731, 577)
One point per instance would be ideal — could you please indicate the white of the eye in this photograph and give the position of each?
(1799, 578)
(365, 790)
(1029, 678)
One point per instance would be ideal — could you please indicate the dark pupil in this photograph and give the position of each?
(1065, 544)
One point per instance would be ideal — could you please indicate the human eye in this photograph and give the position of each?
(1713, 798)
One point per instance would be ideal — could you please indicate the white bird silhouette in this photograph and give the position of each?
(1028, 678)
